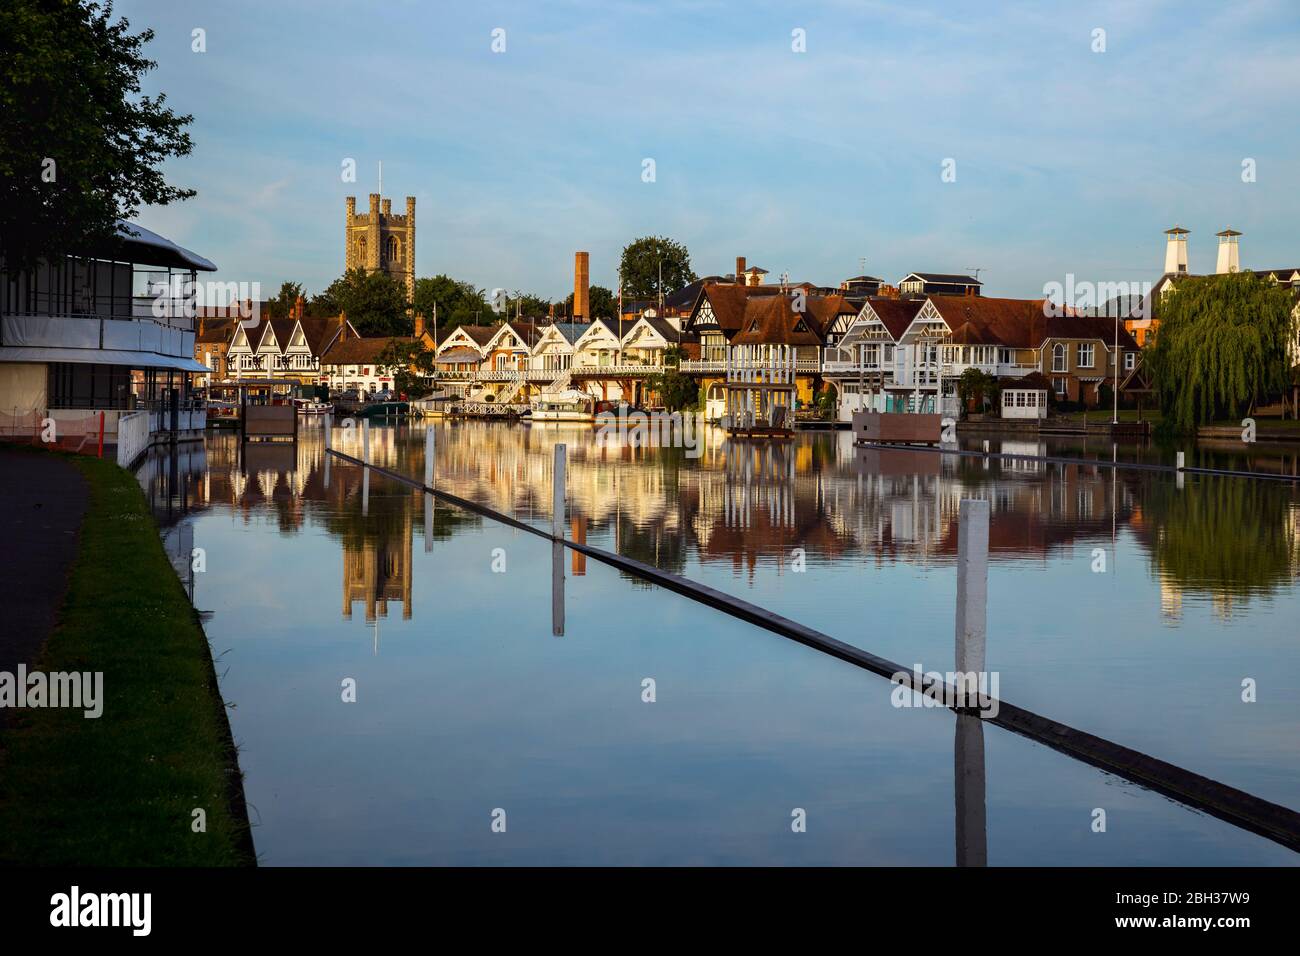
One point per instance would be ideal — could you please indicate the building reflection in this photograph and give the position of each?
(746, 505)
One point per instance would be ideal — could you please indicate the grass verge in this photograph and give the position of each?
(120, 790)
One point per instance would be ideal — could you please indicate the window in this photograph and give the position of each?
(1061, 386)
(1130, 361)
(1085, 355)
(1004, 356)
(1058, 358)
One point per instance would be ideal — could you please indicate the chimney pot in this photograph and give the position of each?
(740, 271)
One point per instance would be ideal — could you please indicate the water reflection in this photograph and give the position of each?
(745, 505)
(746, 721)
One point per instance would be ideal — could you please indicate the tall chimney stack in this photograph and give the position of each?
(419, 326)
(1229, 253)
(1176, 251)
(740, 271)
(581, 284)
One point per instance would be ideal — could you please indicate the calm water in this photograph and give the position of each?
(467, 703)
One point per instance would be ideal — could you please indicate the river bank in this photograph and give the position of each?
(154, 780)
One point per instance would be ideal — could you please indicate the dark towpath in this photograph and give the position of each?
(42, 501)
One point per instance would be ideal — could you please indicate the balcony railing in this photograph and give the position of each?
(846, 367)
(703, 365)
(624, 369)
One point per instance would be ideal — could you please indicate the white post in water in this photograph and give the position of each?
(428, 522)
(428, 456)
(329, 423)
(365, 440)
(972, 583)
(1178, 480)
(557, 493)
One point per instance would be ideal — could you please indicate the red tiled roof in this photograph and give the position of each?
(360, 351)
(1019, 323)
(772, 320)
(896, 314)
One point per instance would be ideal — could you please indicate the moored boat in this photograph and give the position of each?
(567, 406)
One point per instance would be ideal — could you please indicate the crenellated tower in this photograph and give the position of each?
(377, 240)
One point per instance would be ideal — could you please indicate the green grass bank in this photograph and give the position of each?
(121, 790)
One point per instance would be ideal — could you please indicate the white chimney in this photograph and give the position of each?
(1176, 251)
(1229, 253)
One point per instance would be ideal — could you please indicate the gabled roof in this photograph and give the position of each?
(360, 351)
(216, 330)
(569, 331)
(480, 335)
(1283, 275)
(607, 325)
(685, 297)
(321, 331)
(895, 314)
(772, 320)
(1019, 323)
(528, 331)
(661, 327)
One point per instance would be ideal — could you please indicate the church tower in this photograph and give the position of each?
(377, 240)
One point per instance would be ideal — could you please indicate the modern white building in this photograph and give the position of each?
(109, 333)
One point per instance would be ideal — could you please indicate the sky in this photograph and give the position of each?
(824, 164)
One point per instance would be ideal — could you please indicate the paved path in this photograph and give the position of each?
(42, 501)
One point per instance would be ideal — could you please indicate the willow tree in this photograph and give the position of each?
(1223, 343)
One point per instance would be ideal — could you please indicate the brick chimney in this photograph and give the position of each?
(343, 325)
(740, 271)
(299, 308)
(419, 327)
(581, 285)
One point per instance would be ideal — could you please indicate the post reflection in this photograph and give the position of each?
(746, 505)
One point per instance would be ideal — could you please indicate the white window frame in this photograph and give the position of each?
(1060, 358)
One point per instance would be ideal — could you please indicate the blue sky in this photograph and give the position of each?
(1067, 160)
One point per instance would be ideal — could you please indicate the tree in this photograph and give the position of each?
(412, 364)
(601, 301)
(1223, 343)
(80, 147)
(285, 299)
(976, 384)
(375, 302)
(640, 267)
(527, 305)
(454, 301)
(676, 390)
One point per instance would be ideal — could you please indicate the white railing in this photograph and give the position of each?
(500, 375)
(998, 369)
(850, 367)
(615, 369)
(128, 335)
(700, 365)
(132, 436)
